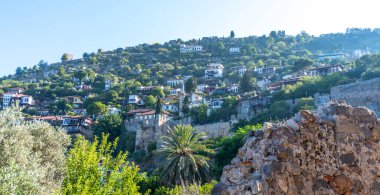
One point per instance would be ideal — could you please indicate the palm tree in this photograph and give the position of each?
(183, 161)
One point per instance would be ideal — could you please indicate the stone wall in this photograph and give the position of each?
(362, 93)
(335, 151)
(146, 134)
(213, 130)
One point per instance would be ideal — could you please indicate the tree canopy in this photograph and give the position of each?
(91, 169)
(32, 155)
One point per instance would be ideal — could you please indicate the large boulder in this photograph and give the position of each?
(333, 151)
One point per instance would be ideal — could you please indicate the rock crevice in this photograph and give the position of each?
(333, 151)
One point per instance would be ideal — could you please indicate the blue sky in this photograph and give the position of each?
(33, 30)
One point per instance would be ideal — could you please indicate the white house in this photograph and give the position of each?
(113, 110)
(11, 98)
(107, 85)
(175, 91)
(233, 88)
(239, 69)
(266, 70)
(202, 87)
(214, 70)
(135, 99)
(171, 107)
(190, 48)
(175, 82)
(234, 50)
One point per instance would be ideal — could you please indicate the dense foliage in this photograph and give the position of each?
(111, 124)
(227, 148)
(91, 169)
(32, 155)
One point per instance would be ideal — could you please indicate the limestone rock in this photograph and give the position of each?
(334, 151)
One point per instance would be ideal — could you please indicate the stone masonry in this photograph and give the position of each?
(362, 93)
(333, 151)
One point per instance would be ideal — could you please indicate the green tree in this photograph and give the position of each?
(111, 124)
(61, 71)
(158, 109)
(66, 57)
(232, 34)
(199, 114)
(302, 63)
(60, 107)
(371, 73)
(228, 147)
(91, 74)
(91, 169)
(96, 108)
(32, 155)
(186, 103)
(19, 71)
(247, 83)
(183, 157)
(93, 60)
(111, 96)
(150, 101)
(42, 65)
(191, 85)
(158, 92)
(80, 74)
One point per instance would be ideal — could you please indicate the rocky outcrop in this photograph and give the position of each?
(333, 151)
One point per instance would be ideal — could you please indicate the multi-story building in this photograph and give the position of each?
(266, 70)
(202, 87)
(280, 84)
(75, 101)
(331, 56)
(190, 48)
(177, 91)
(12, 98)
(170, 107)
(239, 69)
(250, 105)
(175, 82)
(72, 124)
(214, 70)
(147, 117)
(135, 99)
(233, 88)
(324, 70)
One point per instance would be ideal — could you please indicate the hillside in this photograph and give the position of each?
(180, 110)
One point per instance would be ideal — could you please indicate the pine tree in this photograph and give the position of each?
(191, 85)
(247, 83)
(232, 34)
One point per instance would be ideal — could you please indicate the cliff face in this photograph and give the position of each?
(335, 151)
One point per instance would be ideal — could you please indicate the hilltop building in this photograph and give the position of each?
(214, 70)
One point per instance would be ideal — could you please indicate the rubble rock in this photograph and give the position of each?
(334, 151)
